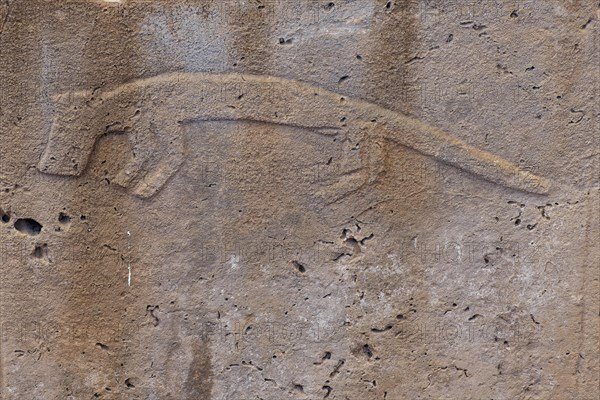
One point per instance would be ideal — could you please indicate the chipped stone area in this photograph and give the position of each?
(245, 200)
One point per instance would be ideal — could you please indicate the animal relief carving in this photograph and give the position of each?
(152, 112)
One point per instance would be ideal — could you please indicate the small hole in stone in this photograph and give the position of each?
(40, 251)
(367, 350)
(64, 218)
(28, 226)
(101, 346)
(301, 268)
(5, 217)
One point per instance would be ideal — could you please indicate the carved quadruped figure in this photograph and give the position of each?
(152, 110)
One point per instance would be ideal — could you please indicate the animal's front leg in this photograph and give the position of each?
(170, 160)
(141, 138)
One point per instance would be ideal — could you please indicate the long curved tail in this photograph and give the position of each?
(436, 143)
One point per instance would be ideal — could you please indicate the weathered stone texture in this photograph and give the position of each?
(299, 200)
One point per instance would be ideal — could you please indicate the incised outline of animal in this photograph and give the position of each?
(152, 111)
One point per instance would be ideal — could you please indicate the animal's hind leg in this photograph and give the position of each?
(168, 165)
(374, 160)
(360, 169)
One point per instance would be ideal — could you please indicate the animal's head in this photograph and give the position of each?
(72, 134)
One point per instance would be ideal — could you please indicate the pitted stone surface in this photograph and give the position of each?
(299, 200)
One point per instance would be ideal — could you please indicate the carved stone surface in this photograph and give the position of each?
(304, 200)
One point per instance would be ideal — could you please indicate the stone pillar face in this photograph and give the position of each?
(299, 199)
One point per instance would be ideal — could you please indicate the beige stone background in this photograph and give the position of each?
(431, 283)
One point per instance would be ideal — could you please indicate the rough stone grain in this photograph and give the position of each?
(356, 199)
